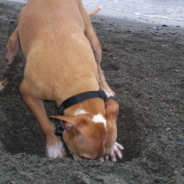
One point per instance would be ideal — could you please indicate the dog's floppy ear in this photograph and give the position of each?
(72, 124)
(112, 109)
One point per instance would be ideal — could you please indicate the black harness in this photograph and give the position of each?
(74, 100)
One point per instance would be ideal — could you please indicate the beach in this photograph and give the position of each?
(144, 64)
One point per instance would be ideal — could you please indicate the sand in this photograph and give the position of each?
(144, 65)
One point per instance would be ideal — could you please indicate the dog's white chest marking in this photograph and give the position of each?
(80, 111)
(99, 119)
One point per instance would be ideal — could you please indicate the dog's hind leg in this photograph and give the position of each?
(12, 48)
(54, 146)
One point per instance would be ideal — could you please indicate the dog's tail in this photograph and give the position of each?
(94, 12)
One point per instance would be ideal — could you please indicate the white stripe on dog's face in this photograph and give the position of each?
(80, 111)
(99, 119)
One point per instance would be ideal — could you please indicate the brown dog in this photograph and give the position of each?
(63, 57)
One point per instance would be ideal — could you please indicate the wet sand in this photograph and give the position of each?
(144, 65)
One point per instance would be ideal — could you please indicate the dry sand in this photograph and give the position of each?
(144, 65)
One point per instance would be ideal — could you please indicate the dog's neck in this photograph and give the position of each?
(81, 88)
(88, 107)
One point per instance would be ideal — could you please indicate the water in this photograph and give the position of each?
(167, 9)
(169, 12)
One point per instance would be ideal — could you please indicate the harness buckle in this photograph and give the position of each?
(60, 129)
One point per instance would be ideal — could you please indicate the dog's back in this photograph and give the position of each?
(53, 42)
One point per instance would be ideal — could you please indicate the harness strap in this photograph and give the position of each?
(81, 97)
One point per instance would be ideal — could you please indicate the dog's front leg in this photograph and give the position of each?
(96, 47)
(54, 146)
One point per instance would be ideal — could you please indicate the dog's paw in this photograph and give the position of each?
(55, 151)
(115, 153)
(3, 84)
(109, 93)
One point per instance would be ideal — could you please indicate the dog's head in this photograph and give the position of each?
(93, 137)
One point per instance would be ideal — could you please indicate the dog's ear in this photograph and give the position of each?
(112, 109)
(72, 124)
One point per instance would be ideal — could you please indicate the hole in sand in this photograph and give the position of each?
(130, 133)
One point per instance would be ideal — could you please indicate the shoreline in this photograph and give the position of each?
(135, 17)
(112, 13)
